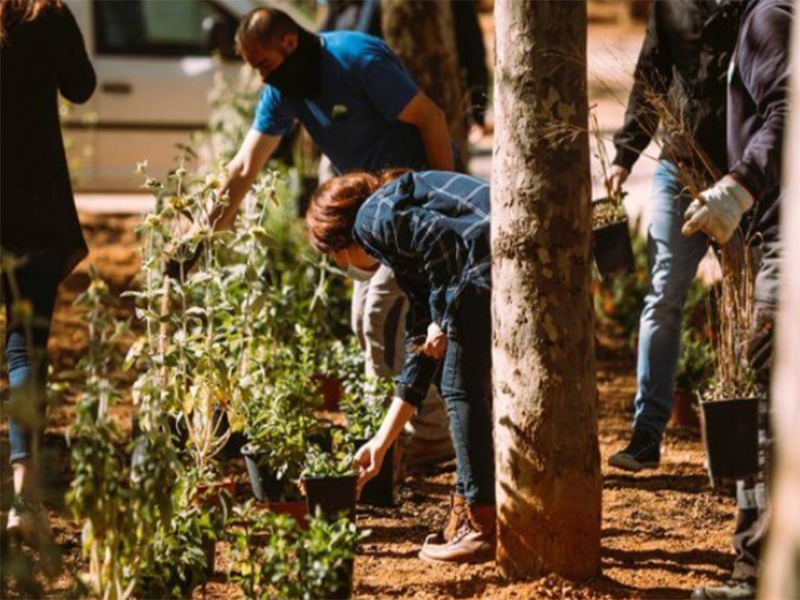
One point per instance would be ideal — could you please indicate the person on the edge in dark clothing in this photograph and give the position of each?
(42, 54)
(432, 230)
(684, 62)
(749, 196)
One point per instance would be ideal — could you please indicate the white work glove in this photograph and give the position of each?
(718, 210)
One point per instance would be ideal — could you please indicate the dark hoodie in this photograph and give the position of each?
(758, 106)
(684, 60)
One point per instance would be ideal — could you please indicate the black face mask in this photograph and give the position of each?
(300, 74)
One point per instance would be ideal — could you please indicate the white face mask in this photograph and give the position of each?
(357, 273)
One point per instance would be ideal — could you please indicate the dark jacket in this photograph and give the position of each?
(365, 16)
(41, 58)
(432, 230)
(758, 106)
(684, 59)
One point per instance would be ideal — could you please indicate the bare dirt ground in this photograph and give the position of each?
(663, 532)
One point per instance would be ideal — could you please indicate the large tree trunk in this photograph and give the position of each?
(545, 395)
(422, 34)
(781, 577)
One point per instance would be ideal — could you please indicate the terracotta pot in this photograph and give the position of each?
(331, 389)
(297, 510)
(685, 411)
(211, 494)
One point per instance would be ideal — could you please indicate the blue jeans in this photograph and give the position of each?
(673, 262)
(36, 282)
(466, 386)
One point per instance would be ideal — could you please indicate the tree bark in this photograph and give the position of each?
(422, 34)
(549, 484)
(781, 578)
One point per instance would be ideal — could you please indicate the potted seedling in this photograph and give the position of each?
(364, 408)
(611, 237)
(329, 481)
(272, 557)
(732, 407)
(278, 419)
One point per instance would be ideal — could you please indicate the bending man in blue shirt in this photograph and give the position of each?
(365, 113)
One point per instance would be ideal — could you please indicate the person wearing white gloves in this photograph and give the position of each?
(749, 197)
(718, 210)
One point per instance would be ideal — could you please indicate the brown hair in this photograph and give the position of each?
(331, 215)
(21, 11)
(263, 25)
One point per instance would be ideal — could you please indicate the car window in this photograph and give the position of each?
(156, 27)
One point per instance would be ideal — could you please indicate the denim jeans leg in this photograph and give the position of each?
(673, 260)
(37, 283)
(467, 390)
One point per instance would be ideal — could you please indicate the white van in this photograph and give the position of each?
(155, 69)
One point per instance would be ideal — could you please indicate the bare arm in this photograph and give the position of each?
(423, 114)
(242, 171)
(369, 457)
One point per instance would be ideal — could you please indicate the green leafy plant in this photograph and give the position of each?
(272, 557)
(121, 504)
(365, 397)
(328, 464)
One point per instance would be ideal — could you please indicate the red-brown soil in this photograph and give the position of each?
(663, 532)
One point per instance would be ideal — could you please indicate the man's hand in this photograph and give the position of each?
(368, 462)
(718, 210)
(616, 179)
(436, 342)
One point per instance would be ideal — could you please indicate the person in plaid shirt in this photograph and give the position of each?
(432, 230)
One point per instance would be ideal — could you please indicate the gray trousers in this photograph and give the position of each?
(752, 496)
(379, 321)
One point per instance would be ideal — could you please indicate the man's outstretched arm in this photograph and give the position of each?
(256, 150)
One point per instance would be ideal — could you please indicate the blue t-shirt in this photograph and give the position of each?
(354, 118)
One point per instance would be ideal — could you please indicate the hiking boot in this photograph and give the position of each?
(420, 454)
(28, 520)
(456, 518)
(644, 452)
(474, 542)
(735, 589)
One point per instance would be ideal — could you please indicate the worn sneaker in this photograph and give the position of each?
(475, 542)
(644, 452)
(733, 590)
(455, 520)
(28, 520)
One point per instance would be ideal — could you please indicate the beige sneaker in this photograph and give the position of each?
(455, 520)
(28, 520)
(475, 542)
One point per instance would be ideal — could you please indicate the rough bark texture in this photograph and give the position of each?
(422, 34)
(545, 396)
(781, 578)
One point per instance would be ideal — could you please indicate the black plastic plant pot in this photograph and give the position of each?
(210, 551)
(322, 439)
(613, 252)
(264, 482)
(730, 431)
(335, 496)
(379, 491)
